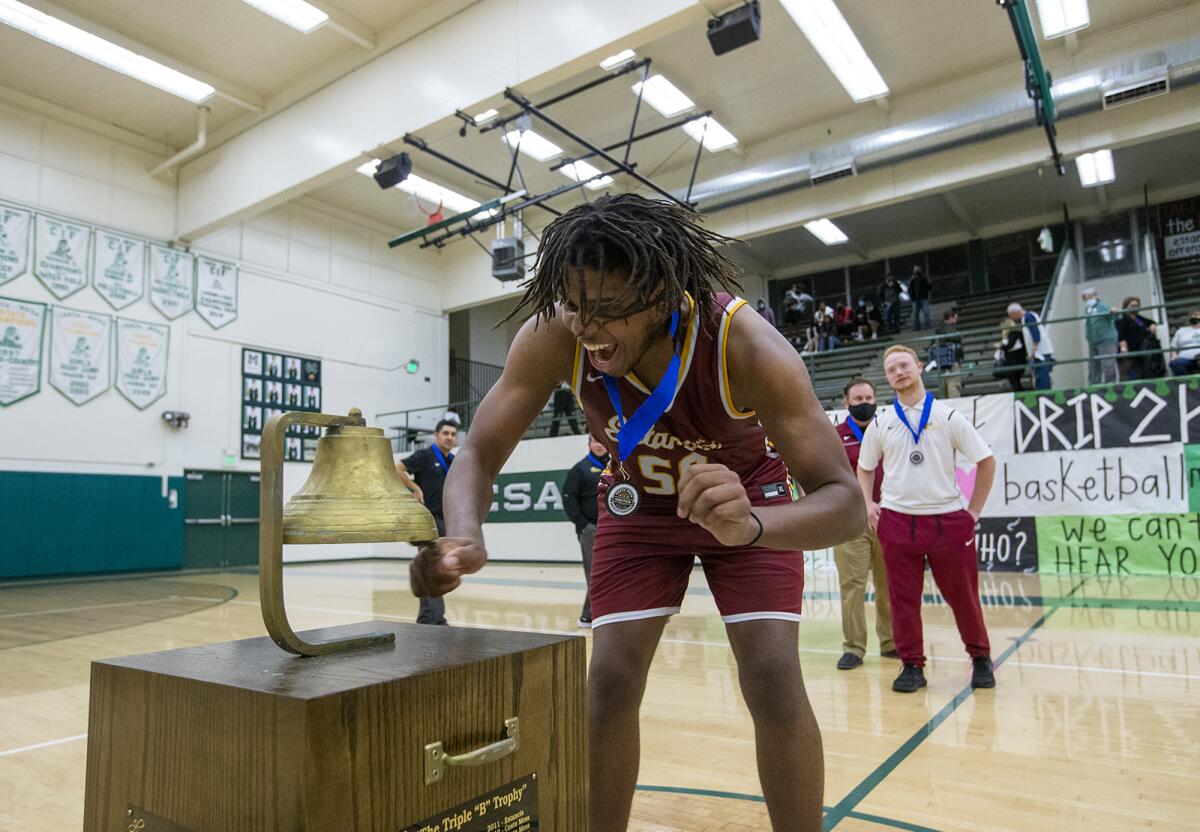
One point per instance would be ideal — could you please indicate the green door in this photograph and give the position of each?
(241, 513)
(220, 519)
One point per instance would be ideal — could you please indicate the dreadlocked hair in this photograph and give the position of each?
(658, 246)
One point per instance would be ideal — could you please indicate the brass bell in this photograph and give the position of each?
(354, 494)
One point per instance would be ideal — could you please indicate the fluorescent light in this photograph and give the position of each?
(1096, 169)
(531, 144)
(1061, 17)
(710, 132)
(86, 45)
(295, 13)
(663, 96)
(620, 59)
(428, 191)
(835, 42)
(578, 171)
(486, 116)
(827, 232)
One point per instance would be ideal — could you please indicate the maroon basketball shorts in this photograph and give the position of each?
(641, 565)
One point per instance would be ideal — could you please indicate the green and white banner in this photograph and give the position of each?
(21, 325)
(170, 281)
(80, 353)
(14, 242)
(119, 268)
(60, 255)
(142, 350)
(216, 291)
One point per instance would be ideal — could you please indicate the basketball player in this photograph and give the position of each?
(683, 383)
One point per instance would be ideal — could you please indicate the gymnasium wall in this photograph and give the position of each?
(311, 284)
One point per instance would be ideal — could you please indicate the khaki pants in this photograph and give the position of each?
(854, 560)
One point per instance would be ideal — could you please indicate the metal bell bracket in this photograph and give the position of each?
(270, 541)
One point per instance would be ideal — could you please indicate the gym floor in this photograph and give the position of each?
(1093, 723)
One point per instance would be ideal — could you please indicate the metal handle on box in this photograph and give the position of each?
(436, 758)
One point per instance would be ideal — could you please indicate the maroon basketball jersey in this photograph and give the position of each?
(702, 423)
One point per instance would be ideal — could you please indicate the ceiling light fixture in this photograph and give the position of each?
(532, 144)
(829, 33)
(710, 133)
(620, 59)
(827, 232)
(301, 16)
(663, 96)
(579, 171)
(427, 191)
(1096, 169)
(486, 116)
(97, 49)
(1061, 17)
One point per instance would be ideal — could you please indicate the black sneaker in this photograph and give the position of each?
(848, 661)
(910, 678)
(981, 674)
(890, 654)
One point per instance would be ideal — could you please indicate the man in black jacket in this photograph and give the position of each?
(424, 474)
(920, 293)
(579, 502)
(889, 304)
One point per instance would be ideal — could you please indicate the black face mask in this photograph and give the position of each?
(863, 412)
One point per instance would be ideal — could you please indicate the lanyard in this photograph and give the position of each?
(855, 429)
(630, 433)
(596, 461)
(442, 459)
(925, 411)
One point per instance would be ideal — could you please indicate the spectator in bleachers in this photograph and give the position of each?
(843, 322)
(947, 351)
(797, 308)
(1101, 338)
(1185, 344)
(1011, 357)
(1037, 343)
(767, 312)
(862, 321)
(889, 304)
(826, 332)
(921, 292)
(1135, 333)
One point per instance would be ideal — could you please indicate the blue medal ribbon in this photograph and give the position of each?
(596, 461)
(925, 411)
(855, 429)
(442, 459)
(630, 433)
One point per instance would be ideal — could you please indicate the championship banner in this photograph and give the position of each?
(60, 255)
(119, 268)
(216, 291)
(80, 353)
(21, 325)
(14, 242)
(142, 350)
(170, 281)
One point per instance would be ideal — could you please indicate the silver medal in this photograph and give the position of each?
(916, 457)
(622, 500)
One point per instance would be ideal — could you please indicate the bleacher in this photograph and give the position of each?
(980, 316)
(1181, 290)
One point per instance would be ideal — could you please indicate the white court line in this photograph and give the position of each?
(46, 744)
(106, 606)
(820, 650)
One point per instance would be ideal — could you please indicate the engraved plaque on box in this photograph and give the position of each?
(510, 808)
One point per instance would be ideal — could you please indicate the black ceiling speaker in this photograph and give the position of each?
(736, 28)
(392, 171)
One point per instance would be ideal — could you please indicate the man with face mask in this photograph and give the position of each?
(1101, 338)
(767, 312)
(855, 558)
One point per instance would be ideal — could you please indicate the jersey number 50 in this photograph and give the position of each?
(658, 470)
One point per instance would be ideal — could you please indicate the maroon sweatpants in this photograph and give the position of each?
(948, 540)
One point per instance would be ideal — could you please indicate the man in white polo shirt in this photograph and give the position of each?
(922, 514)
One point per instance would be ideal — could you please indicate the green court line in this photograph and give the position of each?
(847, 804)
(758, 798)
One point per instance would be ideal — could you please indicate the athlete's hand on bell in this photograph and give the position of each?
(439, 566)
(713, 497)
